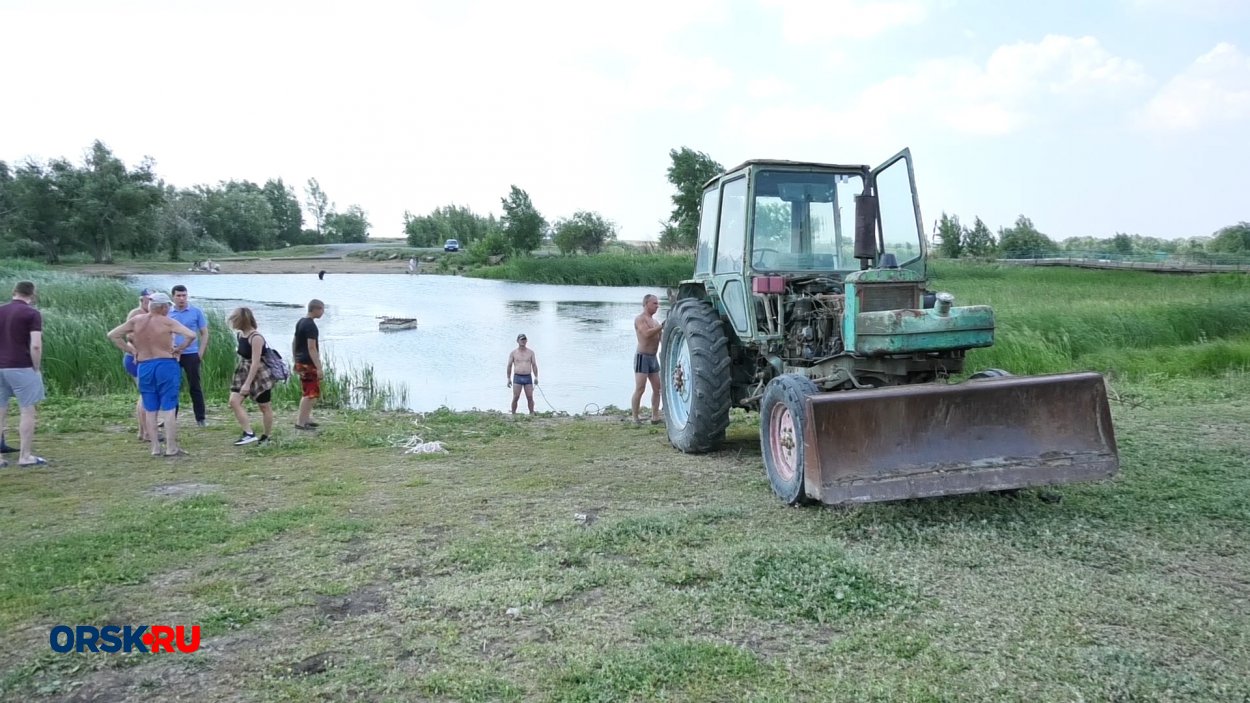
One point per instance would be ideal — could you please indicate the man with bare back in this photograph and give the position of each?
(149, 337)
(646, 359)
(522, 372)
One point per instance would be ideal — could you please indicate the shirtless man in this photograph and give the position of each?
(132, 368)
(646, 360)
(149, 337)
(522, 373)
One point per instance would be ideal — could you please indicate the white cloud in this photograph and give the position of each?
(808, 21)
(1214, 89)
(768, 87)
(1018, 85)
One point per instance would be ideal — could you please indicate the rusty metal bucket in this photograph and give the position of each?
(984, 435)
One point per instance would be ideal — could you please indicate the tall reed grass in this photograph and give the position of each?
(1125, 323)
(613, 269)
(78, 359)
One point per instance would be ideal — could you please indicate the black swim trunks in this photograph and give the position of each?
(522, 379)
(646, 363)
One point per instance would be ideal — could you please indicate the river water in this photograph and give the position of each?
(583, 336)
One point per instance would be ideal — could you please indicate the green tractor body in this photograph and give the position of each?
(809, 304)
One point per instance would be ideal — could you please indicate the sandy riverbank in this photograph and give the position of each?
(309, 265)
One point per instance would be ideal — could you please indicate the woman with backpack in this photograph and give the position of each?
(252, 377)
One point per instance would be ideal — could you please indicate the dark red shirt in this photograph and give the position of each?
(17, 320)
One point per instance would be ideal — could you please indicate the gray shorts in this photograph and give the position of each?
(24, 384)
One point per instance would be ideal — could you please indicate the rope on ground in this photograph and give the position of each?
(417, 445)
(544, 395)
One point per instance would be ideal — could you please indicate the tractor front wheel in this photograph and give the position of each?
(694, 371)
(783, 431)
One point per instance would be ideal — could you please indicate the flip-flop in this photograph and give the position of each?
(39, 461)
(180, 452)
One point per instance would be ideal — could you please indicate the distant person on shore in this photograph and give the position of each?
(522, 372)
(646, 358)
(192, 318)
(412, 265)
(321, 275)
(251, 378)
(148, 338)
(21, 363)
(306, 353)
(132, 367)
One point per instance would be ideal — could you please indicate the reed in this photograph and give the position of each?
(1123, 323)
(78, 311)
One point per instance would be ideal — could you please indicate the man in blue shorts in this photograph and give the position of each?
(148, 338)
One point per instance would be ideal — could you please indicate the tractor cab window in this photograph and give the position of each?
(733, 226)
(901, 234)
(804, 221)
(707, 231)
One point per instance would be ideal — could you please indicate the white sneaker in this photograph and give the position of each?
(247, 438)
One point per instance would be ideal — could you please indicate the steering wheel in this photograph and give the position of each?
(759, 253)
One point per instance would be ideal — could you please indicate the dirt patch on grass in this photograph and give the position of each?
(183, 490)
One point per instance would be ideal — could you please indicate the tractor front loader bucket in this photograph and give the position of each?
(932, 439)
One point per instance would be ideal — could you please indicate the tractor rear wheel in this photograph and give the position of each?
(783, 429)
(694, 372)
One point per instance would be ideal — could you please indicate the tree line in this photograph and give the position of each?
(100, 206)
(520, 230)
(1024, 241)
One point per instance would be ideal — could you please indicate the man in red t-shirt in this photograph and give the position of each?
(21, 354)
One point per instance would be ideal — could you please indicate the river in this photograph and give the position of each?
(583, 336)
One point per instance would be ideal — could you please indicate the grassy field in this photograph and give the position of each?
(582, 559)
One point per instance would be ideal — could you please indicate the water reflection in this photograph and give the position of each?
(583, 336)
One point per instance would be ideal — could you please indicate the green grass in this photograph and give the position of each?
(583, 559)
(596, 270)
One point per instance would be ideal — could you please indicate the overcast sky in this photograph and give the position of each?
(1091, 117)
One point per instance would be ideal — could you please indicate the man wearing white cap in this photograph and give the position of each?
(147, 337)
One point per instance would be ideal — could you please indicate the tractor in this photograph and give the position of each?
(810, 304)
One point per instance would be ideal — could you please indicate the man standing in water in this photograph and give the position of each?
(147, 337)
(647, 360)
(522, 372)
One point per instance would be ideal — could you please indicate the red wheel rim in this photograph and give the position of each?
(781, 439)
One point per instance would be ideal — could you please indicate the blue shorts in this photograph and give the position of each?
(128, 363)
(159, 383)
(522, 379)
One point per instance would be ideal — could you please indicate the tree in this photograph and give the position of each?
(350, 226)
(587, 231)
(42, 198)
(448, 222)
(114, 207)
(978, 241)
(238, 215)
(318, 203)
(952, 236)
(689, 171)
(1023, 241)
(1233, 239)
(286, 211)
(523, 226)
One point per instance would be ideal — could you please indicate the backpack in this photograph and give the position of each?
(277, 367)
(274, 363)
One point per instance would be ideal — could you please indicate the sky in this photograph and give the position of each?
(1089, 117)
